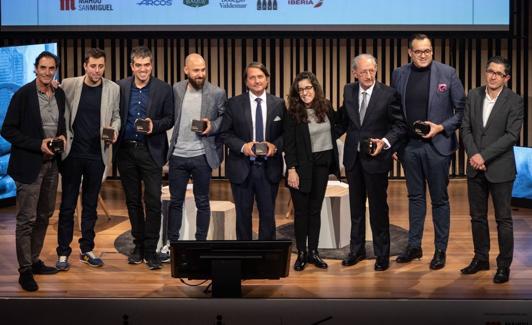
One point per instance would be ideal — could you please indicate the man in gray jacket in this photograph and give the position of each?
(492, 123)
(92, 105)
(193, 152)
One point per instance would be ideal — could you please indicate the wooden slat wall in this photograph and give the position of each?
(328, 55)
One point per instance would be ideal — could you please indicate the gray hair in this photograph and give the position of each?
(359, 57)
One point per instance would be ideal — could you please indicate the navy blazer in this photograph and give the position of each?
(237, 129)
(495, 141)
(23, 129)
(446, 102)
(383, 119)
(160, 110)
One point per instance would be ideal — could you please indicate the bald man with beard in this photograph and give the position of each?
(194, 154)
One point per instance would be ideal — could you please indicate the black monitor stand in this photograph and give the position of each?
(226, 277)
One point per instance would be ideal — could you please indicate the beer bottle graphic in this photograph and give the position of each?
(274, 4)
(264, 5)
(259, 5)
(270, 5)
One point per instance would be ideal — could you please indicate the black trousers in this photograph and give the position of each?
(307, 206)
(256, 186)
(136, 168)
(364, 185)
(73, 171)
(478, 191)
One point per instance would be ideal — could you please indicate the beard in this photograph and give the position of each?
(197, 83)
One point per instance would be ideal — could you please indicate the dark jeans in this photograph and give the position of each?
(374, 187)
(307, 206)
(423, 165)
(181, 170)
(35, 205)
(88, 173)
(136, 168)
(256, 186)
(478, 191)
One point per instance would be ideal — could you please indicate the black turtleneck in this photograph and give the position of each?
(417, 94)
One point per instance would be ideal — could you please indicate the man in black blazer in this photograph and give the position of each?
(34, 117)
(371, 115)
(251, 118)
(141, 154)
(492, 123)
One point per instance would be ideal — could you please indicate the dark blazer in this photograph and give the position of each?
(160, 110)
(383, 119)
(446, 102)
(298, 149)
(23, 129)
(495, 141)
(237, 129)
(213, 103)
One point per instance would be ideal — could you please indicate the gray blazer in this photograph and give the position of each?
(213, 103)
(110, 110)
(495, 141)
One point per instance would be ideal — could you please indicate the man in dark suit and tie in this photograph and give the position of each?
(252, 119)
(371, 114)
(141, 152)
(432, 99)
(492, 123)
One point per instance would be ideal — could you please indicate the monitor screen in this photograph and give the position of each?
(16, 70)
(523, 182)
(259, 15)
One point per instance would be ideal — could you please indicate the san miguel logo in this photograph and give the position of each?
(85, 5)
(195, 3)
(68, 5)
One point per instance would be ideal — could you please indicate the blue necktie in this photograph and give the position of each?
(259, 127)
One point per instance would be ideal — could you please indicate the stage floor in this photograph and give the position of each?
(117, 279)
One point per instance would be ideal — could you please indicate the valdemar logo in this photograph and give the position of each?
(68, 4)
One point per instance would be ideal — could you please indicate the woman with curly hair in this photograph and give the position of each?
(311, 156)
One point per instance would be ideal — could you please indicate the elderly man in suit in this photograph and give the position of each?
(492, 123)
(35, 117)
(371, 114)
(433, 100)
(254, 117)
(199, 109)
(92, 105)
(140, 153)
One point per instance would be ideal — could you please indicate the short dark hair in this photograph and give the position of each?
(417, 37)
(497, 59)
(94, 53)
(140, 52)
(256, 65)
(46, 54)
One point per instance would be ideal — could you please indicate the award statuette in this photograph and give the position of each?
(421, 127)
(56, 145)
(198, 126)
(142, 125)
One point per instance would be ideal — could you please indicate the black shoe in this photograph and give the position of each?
(409, 254)
(438, 261)
(40, 268)
(353, 259)
(382, 263)
(27, 282)
(153, 261)
(502, 275)
(136, 256)
(314, 258)
(475, 266)
(301, 261)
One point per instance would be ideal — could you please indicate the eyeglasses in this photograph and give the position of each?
(371, 72)
(496, 73)
(420, 52)
(307, 88)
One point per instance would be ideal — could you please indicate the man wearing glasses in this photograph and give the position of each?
(492, 123)
(433, 103)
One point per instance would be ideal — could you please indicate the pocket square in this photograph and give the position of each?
(277, 118)
(442, 88)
